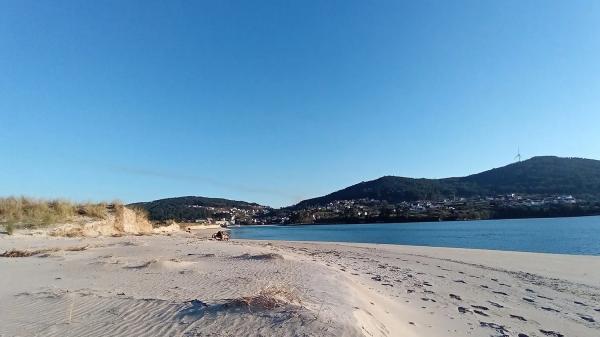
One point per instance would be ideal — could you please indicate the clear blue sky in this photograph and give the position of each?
(277, 101)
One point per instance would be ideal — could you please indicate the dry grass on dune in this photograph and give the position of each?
(140, 212)
(268, 298)
(93, 210)
(24, 212)
(34, 211)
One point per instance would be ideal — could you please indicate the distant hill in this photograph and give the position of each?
(538, 175)
(190, 207)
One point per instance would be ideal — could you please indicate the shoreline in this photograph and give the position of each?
(420, 221)
(349, 243)
(353, 221)
(182, 285)
(570, 236)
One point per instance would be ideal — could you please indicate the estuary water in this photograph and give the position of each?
(579, 235)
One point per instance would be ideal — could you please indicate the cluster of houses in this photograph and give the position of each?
(365, 210)
(378, 210)
(228, 216)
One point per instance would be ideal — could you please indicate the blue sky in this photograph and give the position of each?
(277, 101)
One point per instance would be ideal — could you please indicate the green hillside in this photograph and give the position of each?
(538, 175)
(190, 207)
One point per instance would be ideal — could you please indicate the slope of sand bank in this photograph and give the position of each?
(182, 285)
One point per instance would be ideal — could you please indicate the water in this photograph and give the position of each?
(556, 235)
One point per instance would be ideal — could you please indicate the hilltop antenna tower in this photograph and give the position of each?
(518, 156)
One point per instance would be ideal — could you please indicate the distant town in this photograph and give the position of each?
(372, 210)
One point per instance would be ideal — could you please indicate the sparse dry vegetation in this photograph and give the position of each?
(24, 212)
(140, 213)
(167, 223)
(93, 210)
(269, 298)
(27, 212)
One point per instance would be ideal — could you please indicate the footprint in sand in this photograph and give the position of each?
(201, 255)
(497, 305)
(456, 297)
(480, 307)
(551, 333)
(586, 318)
(463, 310)
(142, 265)
(495, 326)
(520, 318)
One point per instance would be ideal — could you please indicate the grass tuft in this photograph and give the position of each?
(268, 298)
(99, 211)
(140, 213)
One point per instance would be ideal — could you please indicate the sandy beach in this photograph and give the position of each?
(186, 285)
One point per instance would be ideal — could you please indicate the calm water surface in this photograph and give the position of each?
(556, 235)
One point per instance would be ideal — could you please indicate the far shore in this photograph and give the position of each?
(392, 221)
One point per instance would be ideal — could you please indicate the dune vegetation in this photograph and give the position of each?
(25, 212)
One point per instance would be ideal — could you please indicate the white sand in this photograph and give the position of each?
(182, 285)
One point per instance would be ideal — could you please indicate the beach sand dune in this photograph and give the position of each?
(165, 286)
(182, 285)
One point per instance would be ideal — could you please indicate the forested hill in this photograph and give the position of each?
(190, 207)
(539, 175)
